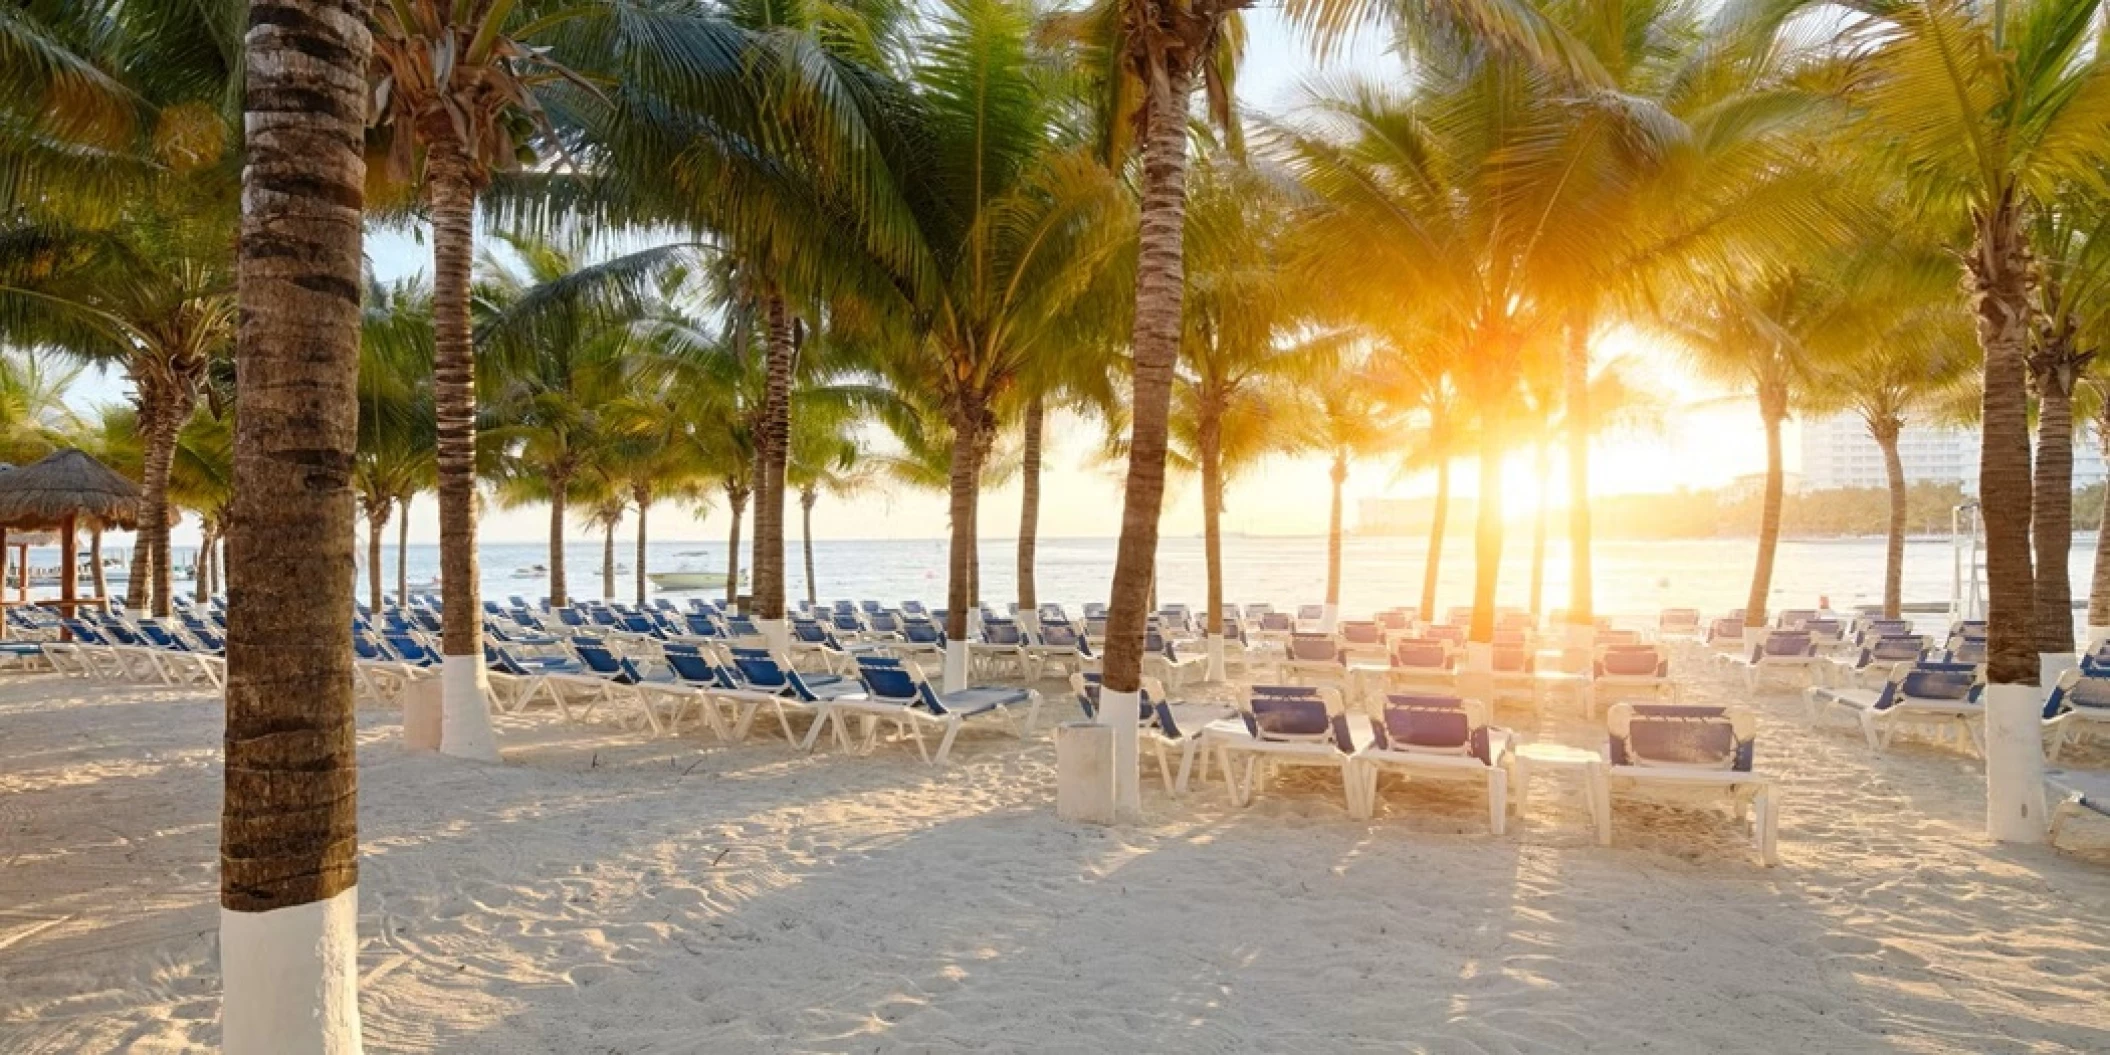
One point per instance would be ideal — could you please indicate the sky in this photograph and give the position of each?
(1705, 440)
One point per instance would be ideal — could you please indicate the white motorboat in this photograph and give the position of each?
(687, 579)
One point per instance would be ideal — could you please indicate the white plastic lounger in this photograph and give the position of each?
(897, 692)
(1438, 738)
(1296, 725)
(1940, 696)
(2076, 710)
(1629, 672)
(1678, 752)
(1168, 727)
(2074, 793)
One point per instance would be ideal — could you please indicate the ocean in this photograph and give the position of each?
(1633, 579)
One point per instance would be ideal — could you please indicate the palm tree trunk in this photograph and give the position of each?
(559, 594)
(2099, 584)
(95, 560)
(1773, 407)
(450, 192)
(968, 421)
(1209, 438)
(643, 497)
(1438, 517)
(735, 500)
(403, 553)
(164, 409)
(772, 443)
(1543, 466)
(1155, 340)
(1487, 539)
(1576, 368)
(289, 838)
(208, 565)
(376, 523)
(608, 527)
(2000, 267)
(2052, 499)
(1885, 431)
(1339, 476)
(807, 499)
(1029, 508)
(140, 583)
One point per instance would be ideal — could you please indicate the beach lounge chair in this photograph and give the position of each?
(1941, 696)
(897, 692)
(788, 691)
(1361, 640)
(1162, 659)
(1790, 651)
(1726, 637)
(1314, 658)
(1061, 649)
(1310, 616)
(1625, 672)
(1166, 726)
(1677, 752)
(1438, 737)
(1296, 725)
(1871, 666)
(604, 678)
(179, 662)
(1676, 623)
(1422, 664)
(1002, 651)
(2077, 709)
(2074, 793)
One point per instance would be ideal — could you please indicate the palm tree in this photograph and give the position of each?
(34, 418)
(1348, 424)
(825, 459)
(2070, 243)
(1014, 225)
(1240, 364)
(289, 821)
(463, 91)
(395, 420)
(120, 200)
(201, 480)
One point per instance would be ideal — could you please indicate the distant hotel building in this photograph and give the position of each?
(1837, 452)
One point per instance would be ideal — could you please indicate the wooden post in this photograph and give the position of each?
(67, 571)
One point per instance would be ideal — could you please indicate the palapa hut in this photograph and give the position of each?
(65, 492)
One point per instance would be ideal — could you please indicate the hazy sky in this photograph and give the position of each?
(1704, 443)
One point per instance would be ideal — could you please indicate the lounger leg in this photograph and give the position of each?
(1868, 730)
(1971, 732)
(1164, 766)
(1497, 801)
(1187, 753)
(813, 732)
(1769, 826)
(952, 729)
(1601, 784)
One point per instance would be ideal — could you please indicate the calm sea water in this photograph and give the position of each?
(1632, 578)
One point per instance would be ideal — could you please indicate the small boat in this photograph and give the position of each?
(532, 571)
(687, 579)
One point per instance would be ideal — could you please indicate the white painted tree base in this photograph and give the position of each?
(956, 657)
(1217, 671)
(290, 979)
(776, 634)
(1578, 646)
(1331, 619)
(1479, 657)
(465, 711)
(1113, 706)
(2014, 763)
(422, 708)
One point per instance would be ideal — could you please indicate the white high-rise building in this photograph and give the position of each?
(1837, 452)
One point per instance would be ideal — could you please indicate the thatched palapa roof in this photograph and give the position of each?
(69, 483)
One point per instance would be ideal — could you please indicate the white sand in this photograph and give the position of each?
(604, 893)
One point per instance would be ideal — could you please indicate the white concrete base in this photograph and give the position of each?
(1029, 621)
(2096, 636)
(290, 979)
(1217, 671)
(422, 706)
(1578, 646)
(956, 656)
(1113, 707)
(1479, 657)
(1331, 619)
(465, 713)
(776, 635)
(2051, 666)
(2014, 764)
(1084, 776)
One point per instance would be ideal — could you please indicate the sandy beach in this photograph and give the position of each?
(603, 892)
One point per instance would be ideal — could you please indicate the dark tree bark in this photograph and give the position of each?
(1029, 506)
(1999, 265)
(1487, 539)
(451, 185)
(559, 584)
(1339, 476)
(735, 500)
(772, 443)
(403, 552)
(1773, 409)
(1576, 369)
(1209, 438)
(2056, 368)
(1438, 516)
(807, 499)
(1885, 430)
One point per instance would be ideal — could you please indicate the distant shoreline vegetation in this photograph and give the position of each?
(1842, 514)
